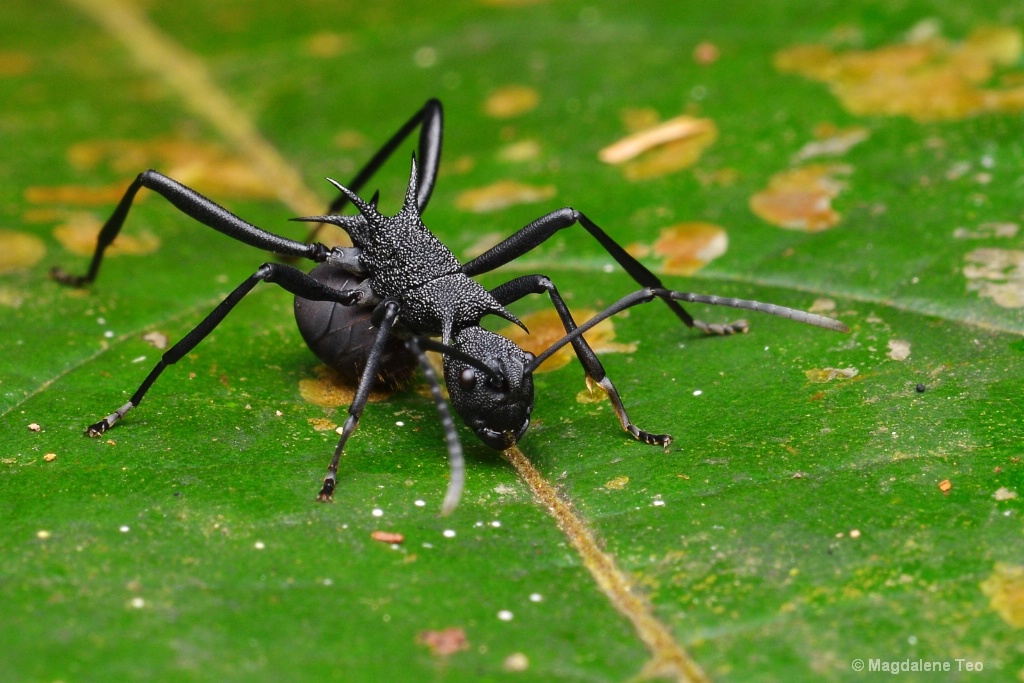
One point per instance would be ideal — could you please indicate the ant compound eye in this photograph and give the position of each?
(467, 380)
(530, 357)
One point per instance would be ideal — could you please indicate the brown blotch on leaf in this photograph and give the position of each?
(662, 148)
(1005, 592)
(801, 198)
(325, 44)
(19, 250)
(822, 375)
(688, 247)
(927, 78)
(546, 328)
(206, 167)
(996, 274)
(15, 64)
(328, 390)
(501, 195)
(511, 101)
(80, 230)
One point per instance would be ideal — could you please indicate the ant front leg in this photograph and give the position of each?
(595, 372)
(384, 317)
(542, 229)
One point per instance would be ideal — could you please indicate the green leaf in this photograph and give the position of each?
(806, 517)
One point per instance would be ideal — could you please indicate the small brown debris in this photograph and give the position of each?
(50, 457)
(945, 485)
(511, 101)
(706, 53)
(501, 195)
(445, 642)
(387, 537)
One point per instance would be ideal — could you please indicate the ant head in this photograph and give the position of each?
(496, 404)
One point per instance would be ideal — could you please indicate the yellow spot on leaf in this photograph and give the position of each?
(328, 390)
(501, 195)
(15, 64)
(322, 424)
(996, 274)
(80, 230)
(546, 328)
(662, 148)
(1005, 592)
(517, 152)
(328, 44)
(511, 101)
(617, 484)
(801, 198)
(206, 167)
(928, 79)
(822, 375)
(688, 247)
(78, 195)
(591, 395)
(19, 250)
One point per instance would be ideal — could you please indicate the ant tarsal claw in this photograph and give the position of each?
(326, 494)
(97, 429)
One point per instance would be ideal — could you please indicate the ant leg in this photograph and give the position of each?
(595, 372)
(451, 436)
(430, 119)
(542, 229)
(291, 279)
(196, 206)
(646, 295)
(384, 317)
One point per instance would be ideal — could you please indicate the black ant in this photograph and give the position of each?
(372, 310)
